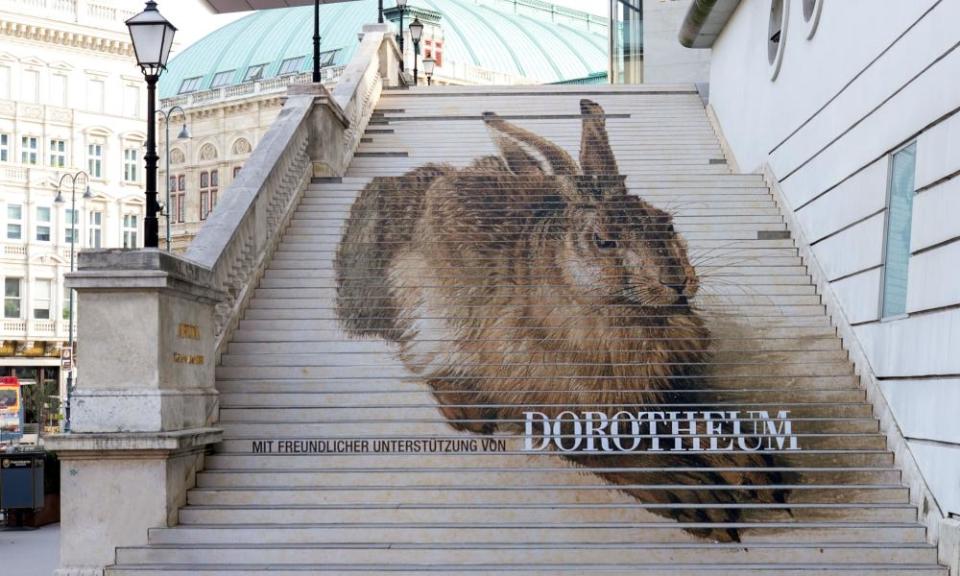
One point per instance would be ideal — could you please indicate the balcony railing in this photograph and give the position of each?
(21, 329)
(21, 250)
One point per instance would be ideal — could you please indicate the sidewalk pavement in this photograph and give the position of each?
(30, 552)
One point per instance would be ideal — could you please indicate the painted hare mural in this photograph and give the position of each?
(530, 281)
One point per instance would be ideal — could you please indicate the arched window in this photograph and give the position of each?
(241, 147)
(208, 152)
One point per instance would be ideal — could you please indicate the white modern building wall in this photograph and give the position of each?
(664, 59)
(71, 100)
(855, 113)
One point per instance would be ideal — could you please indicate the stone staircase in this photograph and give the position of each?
(445, 483)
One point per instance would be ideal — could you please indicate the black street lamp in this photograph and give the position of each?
(74, 227)
(316, 41)
(183, 135)
(428, 65)
(152, 37)
(416, 32)
(380, 12)
(402, 6)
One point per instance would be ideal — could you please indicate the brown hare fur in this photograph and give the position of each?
(529, 282)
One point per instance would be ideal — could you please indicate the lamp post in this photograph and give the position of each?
(183, 135)
(380, 13)
(152, 37)
(73, 242)
(416, 32)
(402, 6)
(316, 41)
(428, 65)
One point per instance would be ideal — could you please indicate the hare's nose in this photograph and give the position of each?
(678, 288)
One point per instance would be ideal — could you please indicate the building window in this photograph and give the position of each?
(94, 231)
(131, 163)
(4, 147)
(291, 66)
(58, 89)
(41, 299)
(129, 230)
(777, 35)
(95, 95)
(327, 58)
(899, 219)
(255, 73)
(131, 101)
(67, 300)
(5, 82)
(177, 198)
(58, 153)
(29, 149)
(43, 223)
(14, 222)
(221, 79)
(30, 91)
(236, 171)
(209, 185)
(70, 232)
(11, 297)
(190, 85)
(95, 160)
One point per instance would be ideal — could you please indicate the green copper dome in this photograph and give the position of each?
(539, 41)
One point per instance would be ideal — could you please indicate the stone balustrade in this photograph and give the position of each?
(152, 324)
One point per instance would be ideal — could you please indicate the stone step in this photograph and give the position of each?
(265, 429)
(705, 209)
(758, 320)
(472, 533)
(726, 364)
(528, 570)
(744, 306)
(728, 354)
(387, 408)
(511, 493)
(245, 460)
(375, 384)
(306, 341)
(533, 513)
(400, 554)
(750, 279)
(417, 397)
(726, 236)
(515, 442)
(308, 370)
(504, 479)
(681, 192)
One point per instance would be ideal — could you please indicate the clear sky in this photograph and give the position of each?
(194, 21)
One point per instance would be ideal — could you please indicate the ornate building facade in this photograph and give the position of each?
(71, 100)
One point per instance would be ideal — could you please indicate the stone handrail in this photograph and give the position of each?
(315, 134)
(361, 82)
(236, 240)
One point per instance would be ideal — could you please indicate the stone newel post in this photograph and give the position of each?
(144, 404)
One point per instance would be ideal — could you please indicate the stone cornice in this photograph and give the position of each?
(41, 33)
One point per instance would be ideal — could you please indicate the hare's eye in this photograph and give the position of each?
(602, 243)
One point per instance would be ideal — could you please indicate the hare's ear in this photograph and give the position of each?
(596, 156)
(525, 152)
